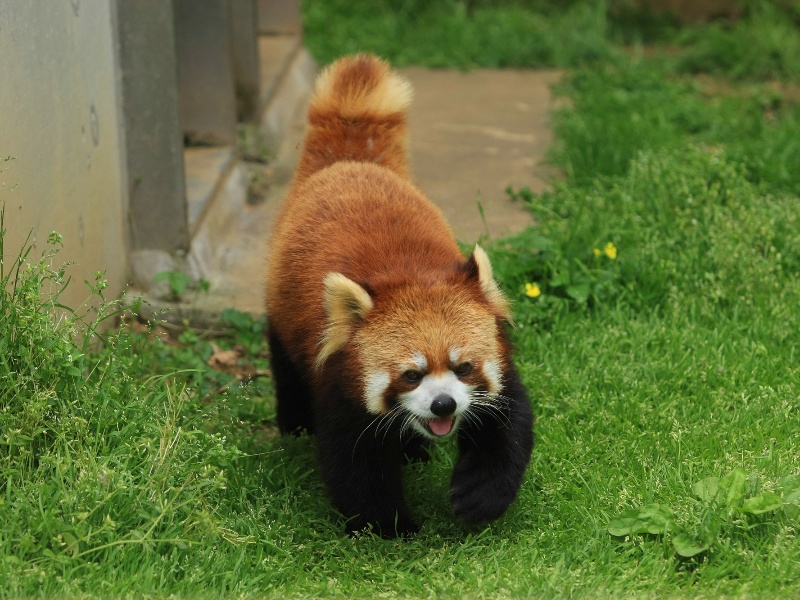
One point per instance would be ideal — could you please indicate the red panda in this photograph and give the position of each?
(382, 335)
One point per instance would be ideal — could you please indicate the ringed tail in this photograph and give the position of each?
(357, 113)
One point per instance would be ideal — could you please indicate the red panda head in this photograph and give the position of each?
(429, 352)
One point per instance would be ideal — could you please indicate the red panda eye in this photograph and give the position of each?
(412, 376)
(464, 369)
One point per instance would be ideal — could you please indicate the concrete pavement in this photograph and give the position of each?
(472, 135)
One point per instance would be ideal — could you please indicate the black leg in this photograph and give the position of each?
(416, 448)
(294, 407)
(362, 472)
(493, 456)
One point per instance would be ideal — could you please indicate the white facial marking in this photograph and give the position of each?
(375, 385)
(491, 370)
(418, 401)
(419, 361)
(454, 355)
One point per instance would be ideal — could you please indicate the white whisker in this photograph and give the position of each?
(381, 421)
(397, 412)
(487, 404)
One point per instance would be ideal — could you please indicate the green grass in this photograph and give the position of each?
(130, 466)
(679, 367)
(764, 44)
(621, 109)
(458, 34)
(674, 361)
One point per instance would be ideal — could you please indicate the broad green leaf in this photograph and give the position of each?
(68, 538)
(237, 318)
(651, 518)
(791, 510)
(178, 283)
(177, 280)
(732, 488)
(541, 242)
(686, 546)
(579, 293)
(706, 489)
(763, 503)
(73, 545)
(559, 279)
(790, 486)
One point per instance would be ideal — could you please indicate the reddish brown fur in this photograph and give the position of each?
(364, 277)
(346, 120)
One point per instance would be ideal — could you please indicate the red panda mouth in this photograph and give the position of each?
(439, 426)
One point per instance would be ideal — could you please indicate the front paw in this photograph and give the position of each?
(399, 526)
(481, 491)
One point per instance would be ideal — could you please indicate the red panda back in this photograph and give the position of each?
(360, 220)
(357, 113)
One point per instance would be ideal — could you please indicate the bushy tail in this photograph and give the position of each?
(357, 112)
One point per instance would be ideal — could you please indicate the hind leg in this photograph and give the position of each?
(293, 394)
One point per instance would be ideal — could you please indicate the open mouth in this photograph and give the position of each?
(439, 426)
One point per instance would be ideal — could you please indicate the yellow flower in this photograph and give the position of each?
(610, 250)
(596, 251)
(532, 290)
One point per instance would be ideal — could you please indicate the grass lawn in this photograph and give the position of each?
(658, 328)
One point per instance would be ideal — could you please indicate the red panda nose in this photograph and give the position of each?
(443, 405)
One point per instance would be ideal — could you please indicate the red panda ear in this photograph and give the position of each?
(346, 305)
(479, 267)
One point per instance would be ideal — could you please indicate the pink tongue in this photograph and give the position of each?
(441, 426)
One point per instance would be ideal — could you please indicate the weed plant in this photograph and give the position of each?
(673, 363)
(101, 465)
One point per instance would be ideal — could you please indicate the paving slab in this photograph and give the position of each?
(475, 133)
(472, 135)
(205, 168)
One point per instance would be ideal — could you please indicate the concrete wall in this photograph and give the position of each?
(157, 211)
(97, 101)
(279, 17)
(60, 118)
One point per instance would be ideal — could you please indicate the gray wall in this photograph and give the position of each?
(97, 98)
(60, 118)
